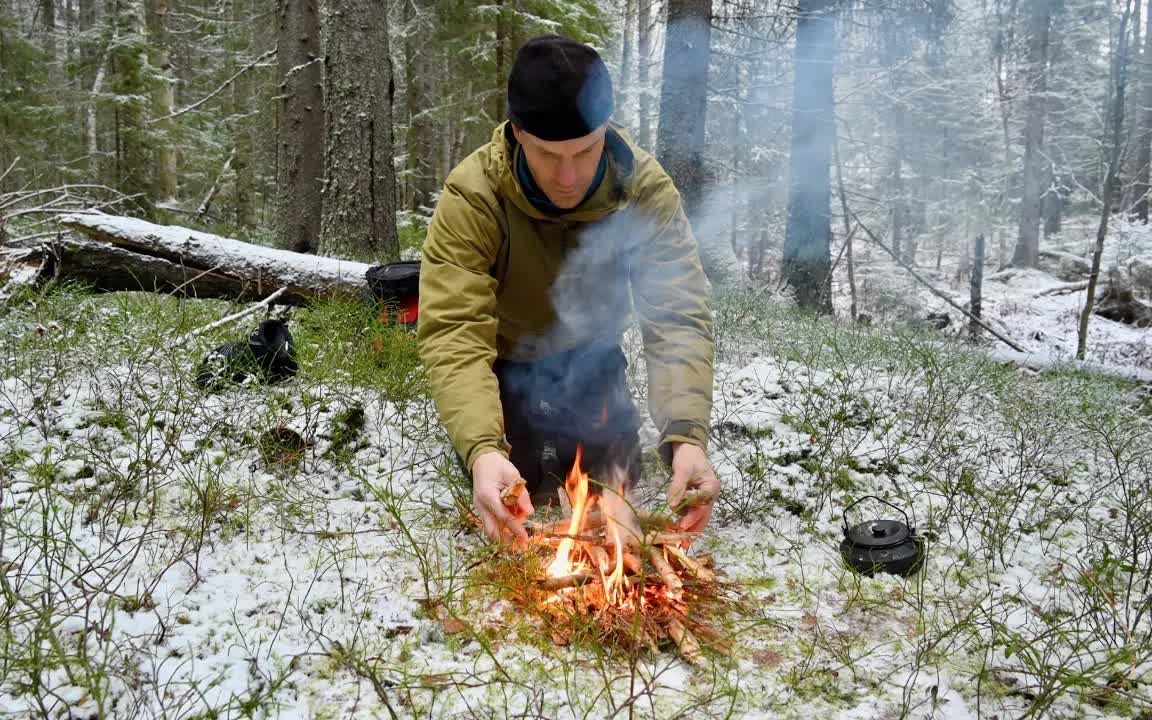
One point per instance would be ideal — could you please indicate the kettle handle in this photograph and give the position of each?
(873, 497)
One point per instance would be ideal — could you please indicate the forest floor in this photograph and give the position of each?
(170, 553)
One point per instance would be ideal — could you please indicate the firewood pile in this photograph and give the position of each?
(610, 575)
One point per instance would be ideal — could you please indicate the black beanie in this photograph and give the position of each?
(559, 89)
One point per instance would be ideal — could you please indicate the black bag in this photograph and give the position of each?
(268, 355)
(396, 287)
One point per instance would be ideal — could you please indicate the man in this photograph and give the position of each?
(541, 245)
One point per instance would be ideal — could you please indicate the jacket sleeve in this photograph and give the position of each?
(671, 297)
(456, 329)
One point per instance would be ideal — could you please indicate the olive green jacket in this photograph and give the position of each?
(501, 278)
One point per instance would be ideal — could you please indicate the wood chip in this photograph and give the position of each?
(600, 556)
(711, 637)
(693, 499)
(561, 636)
(510, 495)
(621, 518)
(767, 658)
(565, 506)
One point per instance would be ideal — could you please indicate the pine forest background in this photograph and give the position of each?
(928, 122)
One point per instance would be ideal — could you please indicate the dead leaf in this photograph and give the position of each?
(511, 494)
(454, 626)
(561, 637)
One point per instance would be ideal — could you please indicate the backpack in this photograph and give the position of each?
(268, 354)
(396, 288)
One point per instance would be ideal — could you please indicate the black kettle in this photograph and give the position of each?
(888, 546)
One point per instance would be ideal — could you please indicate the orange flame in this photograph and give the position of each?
(618, 515)
(614, 584)
(577, 487)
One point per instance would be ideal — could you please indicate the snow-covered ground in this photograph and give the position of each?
(1034, 308)
(159, 559)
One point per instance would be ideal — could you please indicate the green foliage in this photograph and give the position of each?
(34, 123)
(346, 341)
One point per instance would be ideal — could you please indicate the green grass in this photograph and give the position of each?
(994, 463)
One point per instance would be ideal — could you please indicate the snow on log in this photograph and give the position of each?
(131, 254)
(1039, 361)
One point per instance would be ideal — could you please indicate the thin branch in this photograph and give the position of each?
(934, 291)
(10, 169)
(217, 91)
(231, 318)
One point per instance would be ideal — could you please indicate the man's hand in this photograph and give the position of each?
(491, 473)
(694, 487)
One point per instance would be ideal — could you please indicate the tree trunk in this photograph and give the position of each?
(643, 64)
(91, 133)
(684, 97)
(1052, 207)
(1035, 165)
(163, 99)
(624, 86)
(845, 214)
(1116, 126)
(497, 107)
(86, 21)
(976, 288)
(419, 74)
(359, 218)
(1144, 134)
(48, 19)
(899, 201)
(681, 140)
(134, 174)
(806, 263)
(242, 124)
(300, 145)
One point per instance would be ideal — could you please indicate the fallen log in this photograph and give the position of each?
(1120, 304)
(1043, 362)
(114, 253)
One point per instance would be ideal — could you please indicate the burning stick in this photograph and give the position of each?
(566, 581)
(603, 564)
(511, 494)
(632, 563)
(685, 641)
(667, 574)
(665, 537)
(696, 569)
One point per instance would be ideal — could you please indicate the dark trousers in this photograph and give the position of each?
(551, 406)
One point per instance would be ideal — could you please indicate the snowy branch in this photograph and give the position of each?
(218, 90)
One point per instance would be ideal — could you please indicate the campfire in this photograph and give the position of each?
(610, 574)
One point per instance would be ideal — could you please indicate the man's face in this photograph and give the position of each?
(564, 169)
